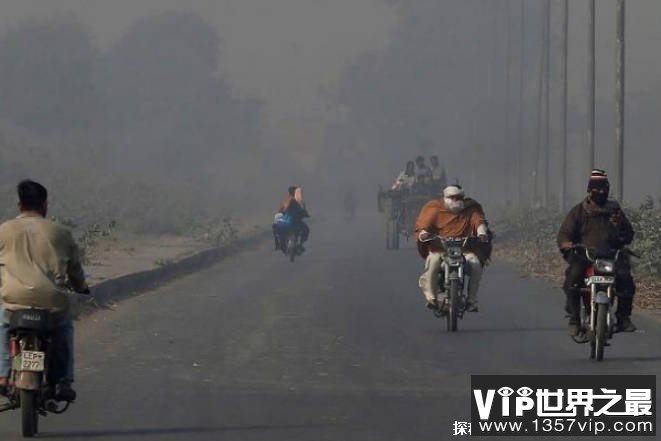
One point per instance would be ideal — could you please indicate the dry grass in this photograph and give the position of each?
(550, 266)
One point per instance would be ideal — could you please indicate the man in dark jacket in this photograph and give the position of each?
(600, 225)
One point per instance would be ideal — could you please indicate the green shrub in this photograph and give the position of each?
(535, 232)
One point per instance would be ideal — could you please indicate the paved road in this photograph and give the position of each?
(337, 346)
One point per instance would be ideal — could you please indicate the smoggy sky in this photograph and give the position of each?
(280, 51)
(284, 52)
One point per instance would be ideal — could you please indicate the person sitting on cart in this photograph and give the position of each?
(453, 215)
(438, 176)
(423, 175)
(406, 179)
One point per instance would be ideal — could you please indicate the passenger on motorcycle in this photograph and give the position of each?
(39, 261)
(406, 179)
(599, 224)
(452, 216)
(292, 211)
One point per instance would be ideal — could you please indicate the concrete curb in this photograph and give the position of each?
(123, 287)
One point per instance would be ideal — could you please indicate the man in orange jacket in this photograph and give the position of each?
(452, 216)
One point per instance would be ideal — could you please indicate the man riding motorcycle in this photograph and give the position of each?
(39, 261)
(293, 208)
(598, 224)
(452, 216)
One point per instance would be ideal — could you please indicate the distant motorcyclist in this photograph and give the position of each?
(39, 260)
(600, 225)
(406, 179)
(292, 208)
(452, 216)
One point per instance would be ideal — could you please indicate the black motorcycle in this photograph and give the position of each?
(30, 387)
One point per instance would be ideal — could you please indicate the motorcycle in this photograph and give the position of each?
(451, 280)
(291, 247)
(29, 387)
(599, 302)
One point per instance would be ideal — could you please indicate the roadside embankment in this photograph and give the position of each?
(120, 264)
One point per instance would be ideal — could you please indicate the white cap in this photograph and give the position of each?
(453, 190)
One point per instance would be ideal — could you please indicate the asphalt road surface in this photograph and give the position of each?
(337, 346)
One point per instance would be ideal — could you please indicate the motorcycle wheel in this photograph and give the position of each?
(291, 249)
(453, 305)
(601, 332)
(29, 414)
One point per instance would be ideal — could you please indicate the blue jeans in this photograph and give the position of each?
(61, 350)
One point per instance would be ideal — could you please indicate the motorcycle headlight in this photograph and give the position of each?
(604, 266)
(454, 252)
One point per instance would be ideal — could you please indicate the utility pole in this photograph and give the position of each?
(547, 103)
(540, 95)
(508, 138)
(591, 83)
(565, 86)
(619, 100)
(522, 73)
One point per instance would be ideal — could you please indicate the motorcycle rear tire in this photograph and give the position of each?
(291, 249)
(29, 413)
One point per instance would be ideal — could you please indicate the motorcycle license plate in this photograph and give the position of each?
(601, 279)
(32, 361)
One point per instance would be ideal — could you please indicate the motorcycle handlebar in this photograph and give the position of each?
(446, 239)
(579, 247)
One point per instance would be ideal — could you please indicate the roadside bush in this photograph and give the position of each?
(647, 244)
(529, 239)
(216, 233)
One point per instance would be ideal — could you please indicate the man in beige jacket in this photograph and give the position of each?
(39, 266)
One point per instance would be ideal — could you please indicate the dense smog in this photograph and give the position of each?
(329, 219)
